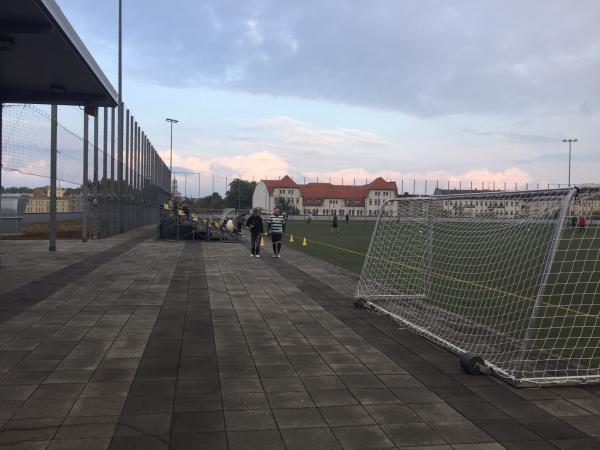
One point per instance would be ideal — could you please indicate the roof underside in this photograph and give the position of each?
(48, 62)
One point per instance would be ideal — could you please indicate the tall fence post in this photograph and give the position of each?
(84, 181)
(53, 157)
(105, 154)
(1, 117)
(120, 168)
(96, 148)
(126, 175)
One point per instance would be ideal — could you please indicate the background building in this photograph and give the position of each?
(323, 199)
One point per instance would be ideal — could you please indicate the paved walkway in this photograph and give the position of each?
(133, 343)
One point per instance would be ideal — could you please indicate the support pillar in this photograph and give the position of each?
(84, 184)
(53, 158)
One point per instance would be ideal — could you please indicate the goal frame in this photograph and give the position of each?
(370, 302)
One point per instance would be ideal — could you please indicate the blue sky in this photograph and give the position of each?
(462, 90)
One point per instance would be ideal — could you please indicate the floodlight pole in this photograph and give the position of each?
(570, 141)
(171, 121)
(120, 126)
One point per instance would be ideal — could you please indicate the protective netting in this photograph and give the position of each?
(511, 276)
(26, 145)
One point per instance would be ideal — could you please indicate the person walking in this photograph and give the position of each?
(255, 223)
(347, 218)
(334, 224)
(276, 227)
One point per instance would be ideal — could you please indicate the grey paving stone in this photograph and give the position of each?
(87, 427)
(198, 402)
(416, 395)
(577, 444)
(38, 408)
(197, 422)
(98, 406)
(77, 444)
(461, 432)
(242, 385)
(323, 382)
(412, 434)
(16, 392)
(22, 430)
(244, 400)
(342, 416)
(148, 405)
(590, 425)
(143, 424)
(249, 420)
(561, 408)
(363, 437)
(310, 438)
(293, 399)
(436, 412)
(506, 430)
(299, 418)
(288, 384)
(392, 414)
(333, 397)
(199, 441)
(255, 440)
(375, 396)
(139, 443)
(551, 428)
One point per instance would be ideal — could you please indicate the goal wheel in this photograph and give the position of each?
(473, 364)
(358, 303)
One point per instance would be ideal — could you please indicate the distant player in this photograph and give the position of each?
(276, 227)
(582, 223)
(334, 224)
(255, 224)
(574, 221)
(309, 217)
(347, 218)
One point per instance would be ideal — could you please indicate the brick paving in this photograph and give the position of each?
(134, 343)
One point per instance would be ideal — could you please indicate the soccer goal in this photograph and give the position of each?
(512, 278)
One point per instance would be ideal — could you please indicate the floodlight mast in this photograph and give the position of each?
(570, 141)
(171, 121)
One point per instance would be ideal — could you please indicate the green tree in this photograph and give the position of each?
(240, 194)
(285, 204)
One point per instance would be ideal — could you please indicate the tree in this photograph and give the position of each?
(213, 201)
(240, 193)
(286, 204)
(16, 190)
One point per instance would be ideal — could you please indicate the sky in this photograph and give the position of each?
(354, 89)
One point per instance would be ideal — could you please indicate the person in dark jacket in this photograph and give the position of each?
(255, 224)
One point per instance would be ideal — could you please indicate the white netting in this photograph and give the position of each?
(505, 275)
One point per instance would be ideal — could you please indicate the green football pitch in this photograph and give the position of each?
(345, 248)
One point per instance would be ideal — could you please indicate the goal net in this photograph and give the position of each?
(513, 277)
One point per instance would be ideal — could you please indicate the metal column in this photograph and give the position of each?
(96, 148)
(112, 143)
(105, 154)
(120, 226)
(84, 184)
(1, 114)
(53, 157)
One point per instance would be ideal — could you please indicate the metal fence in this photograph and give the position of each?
(119, 192)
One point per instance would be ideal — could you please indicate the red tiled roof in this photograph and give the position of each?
(315, 193)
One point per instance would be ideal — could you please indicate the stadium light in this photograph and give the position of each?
(570, 141)
(171, 121)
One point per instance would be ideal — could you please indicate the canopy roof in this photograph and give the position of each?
(43, 60)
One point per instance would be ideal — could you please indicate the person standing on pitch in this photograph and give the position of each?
(276, 226)
(255, 224)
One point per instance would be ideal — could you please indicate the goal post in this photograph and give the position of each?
(512, 277)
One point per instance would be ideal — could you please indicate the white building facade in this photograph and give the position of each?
(325, 199)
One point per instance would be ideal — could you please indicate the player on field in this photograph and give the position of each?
(276, 226)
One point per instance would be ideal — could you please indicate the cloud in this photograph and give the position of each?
(515, 137)
(424, 58)
(257, 165)
(510, 175)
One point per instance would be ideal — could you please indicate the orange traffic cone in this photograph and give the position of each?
(262, 242)
(291, 238)
(304, 242)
